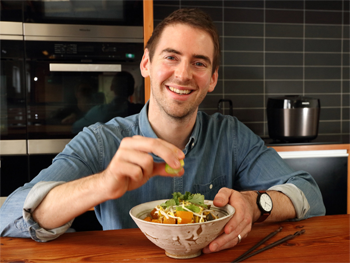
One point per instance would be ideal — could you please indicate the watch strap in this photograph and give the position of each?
(264, 214)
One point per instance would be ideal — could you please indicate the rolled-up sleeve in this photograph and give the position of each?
(34, 198)
(78, 159)
(297, 197)
(24, 225)
(259, 167)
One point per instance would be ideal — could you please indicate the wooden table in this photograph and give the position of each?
(326, 239)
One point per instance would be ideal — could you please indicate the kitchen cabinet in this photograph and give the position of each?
(147, 33)
(329, 165)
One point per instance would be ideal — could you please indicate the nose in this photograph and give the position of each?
(183, 71)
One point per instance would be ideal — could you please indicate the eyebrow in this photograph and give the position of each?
(170, 50)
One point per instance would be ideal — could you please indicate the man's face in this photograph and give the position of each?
(181, 70)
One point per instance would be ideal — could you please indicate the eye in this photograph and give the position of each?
(200, 64)
(170, 57)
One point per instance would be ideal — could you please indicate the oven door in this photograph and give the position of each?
(12, 98)
(72, 85)
(11, 11)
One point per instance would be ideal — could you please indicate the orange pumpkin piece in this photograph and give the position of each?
(148, 219)
(169, 220)
(153, 214)
(186, 217)
(156, 221)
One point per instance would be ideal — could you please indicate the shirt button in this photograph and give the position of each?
(210, 186)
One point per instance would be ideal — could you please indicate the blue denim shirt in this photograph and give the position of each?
(221, 152)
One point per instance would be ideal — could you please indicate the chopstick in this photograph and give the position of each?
(278, 242)
(258, 244)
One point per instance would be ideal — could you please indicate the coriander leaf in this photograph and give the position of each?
(187, 196)
(170, 202)
(179, 208)
(193, 208)
(198, 199)
(177, 196)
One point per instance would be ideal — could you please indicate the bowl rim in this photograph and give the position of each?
(182, 225)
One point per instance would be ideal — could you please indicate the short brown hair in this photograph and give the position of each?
(189, 16)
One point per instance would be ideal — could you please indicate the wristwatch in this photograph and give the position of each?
(264, 203)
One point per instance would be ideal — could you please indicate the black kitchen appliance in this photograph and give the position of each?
(58, 61)
(293, 118)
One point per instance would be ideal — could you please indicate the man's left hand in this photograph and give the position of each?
(241, 222)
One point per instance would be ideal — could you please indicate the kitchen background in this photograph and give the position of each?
(277, 48)
(269, 49)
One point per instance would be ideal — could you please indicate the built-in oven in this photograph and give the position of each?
(13, 117)
(11, 11)
(59, 67)
(90, 12)
(71, 80)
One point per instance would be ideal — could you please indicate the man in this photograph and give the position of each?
(114, 166)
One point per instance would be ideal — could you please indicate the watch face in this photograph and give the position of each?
(266, 202)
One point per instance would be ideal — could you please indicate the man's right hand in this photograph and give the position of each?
(130, 168)
(132, 165)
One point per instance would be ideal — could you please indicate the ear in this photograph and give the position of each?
(213, 80)
(145, 64)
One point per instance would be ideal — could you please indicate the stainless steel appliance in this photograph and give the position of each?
(293, 118)
(49, 49)
(13, 122)
(78, 12)
(66, 79)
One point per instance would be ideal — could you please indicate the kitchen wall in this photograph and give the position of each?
(274, 48)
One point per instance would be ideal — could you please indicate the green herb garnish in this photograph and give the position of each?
(195, 200)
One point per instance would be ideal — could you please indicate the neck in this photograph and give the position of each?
(173, 130)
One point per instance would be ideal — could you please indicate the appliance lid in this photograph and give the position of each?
(292, 102)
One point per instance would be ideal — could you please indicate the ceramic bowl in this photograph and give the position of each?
(181, 241)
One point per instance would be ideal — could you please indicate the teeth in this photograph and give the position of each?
(178, 91)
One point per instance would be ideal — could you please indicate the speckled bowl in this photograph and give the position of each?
(181, 241)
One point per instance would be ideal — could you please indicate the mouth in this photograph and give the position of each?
(179, 91)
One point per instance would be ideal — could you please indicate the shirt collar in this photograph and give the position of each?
(147, 131)
(145, 126)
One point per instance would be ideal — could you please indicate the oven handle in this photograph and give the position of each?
(68, 67)
(46, 146)
(13, 147)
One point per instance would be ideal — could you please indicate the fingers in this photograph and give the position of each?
(226, 241)
(132, 165)
(222, 197)
(239, 224)
(167, 151)
(159, 169)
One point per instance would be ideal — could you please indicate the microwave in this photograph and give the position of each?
(91, 12)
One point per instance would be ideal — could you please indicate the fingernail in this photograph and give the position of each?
(219, 200)
(177, 163)
(214, 247)
(180, 154)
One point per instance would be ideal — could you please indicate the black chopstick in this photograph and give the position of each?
(282, 240)
(258, 244)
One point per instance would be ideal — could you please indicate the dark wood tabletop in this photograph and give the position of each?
(326, 239)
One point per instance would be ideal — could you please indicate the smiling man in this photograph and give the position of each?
(181, 74)
(120, 164)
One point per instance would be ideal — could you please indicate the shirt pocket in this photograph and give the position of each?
(210, 189)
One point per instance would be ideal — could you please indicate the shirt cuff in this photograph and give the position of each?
(299, 200)
(34, 198)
